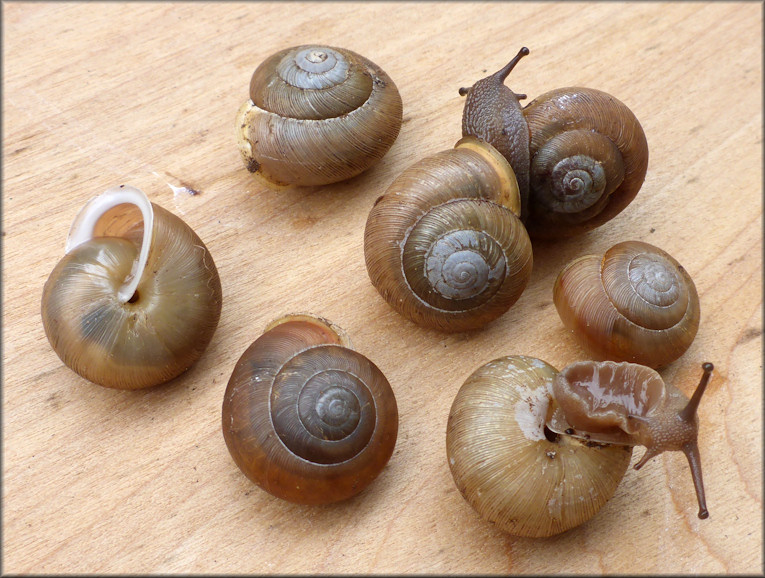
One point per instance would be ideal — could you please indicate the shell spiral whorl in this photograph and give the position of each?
(443, 245)
(636, 303)
(589, 158)
(305, 417)
(317, 115)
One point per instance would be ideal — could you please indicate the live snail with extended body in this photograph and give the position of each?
(538, 452)
(579, 154)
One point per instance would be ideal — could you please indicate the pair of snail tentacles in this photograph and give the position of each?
(137, 297)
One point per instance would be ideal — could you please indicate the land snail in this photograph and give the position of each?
(307, 418)
(634, 303)
(316, 115)
(538, 452)
(136, 299)
(580, 155)
(444, 245)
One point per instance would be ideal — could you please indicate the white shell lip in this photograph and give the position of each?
(100, 217)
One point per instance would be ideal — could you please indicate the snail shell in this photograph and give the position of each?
(444, 245)
(307, 418)
(136, 299)
(317, 115)
(635, 303)
(580, 155)
(514, 471)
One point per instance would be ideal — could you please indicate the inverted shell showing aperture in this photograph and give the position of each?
(136, 299)
(513, 471)
(317, 115)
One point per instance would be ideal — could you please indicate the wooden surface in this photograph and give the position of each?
(98, 94)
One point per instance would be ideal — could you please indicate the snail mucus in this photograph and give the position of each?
(579, 154)
(537, 451)
(136, 299)
(316, 115)
(305, 417)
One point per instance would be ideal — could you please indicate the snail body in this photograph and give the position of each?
(538, 452)
(305, 417)
(580, 155)
(634, 303)
(627, 403)
(444, 245)
(137, 297)
(317, 115)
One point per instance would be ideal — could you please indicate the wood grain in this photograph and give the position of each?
(97, 94)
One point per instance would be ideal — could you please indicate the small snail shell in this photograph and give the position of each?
(635, 303)
(626, 403)
(306, 418)
(136, 299)
(317, 115)
(580, 155)
(514, 471)
(444, 245)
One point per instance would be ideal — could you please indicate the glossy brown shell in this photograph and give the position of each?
(444, 245)
(306, 418)
(317, 115)
(636, 303)
(582, 141)
(511, 470)
(128, 319)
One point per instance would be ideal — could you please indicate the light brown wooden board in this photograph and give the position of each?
(98, 94)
